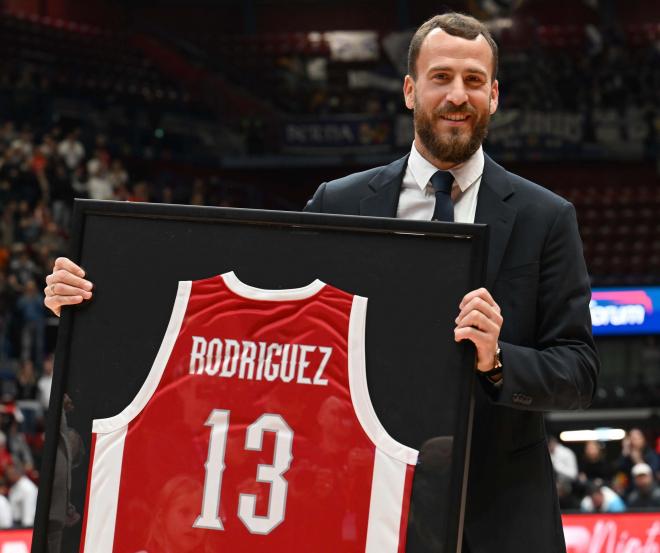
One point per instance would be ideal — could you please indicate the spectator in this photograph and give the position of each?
(18, 446)
(22, 266)
(563, 459)
(593, 464)
(23, 144)
(7, 222)
(5, 513)
(79, 182)
(566, 494)
(99, 185)
(118, 175)
(646, 494)
(52, 239)
(61, 194)
(601, 499)
(140, 192)
(635, 450)
(45, 383)
(48, 147)
(26, 381)
(22, 496)
(5, 456)
(619, 484)
(29, 225)
(71, 150)
(30, 308)
(101, 152)
(8, 294)
(7, 133)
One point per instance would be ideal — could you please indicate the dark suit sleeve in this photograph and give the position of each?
(315, 204)
(560, 372)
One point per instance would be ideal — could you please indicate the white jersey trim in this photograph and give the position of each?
(250, 292)
(387, 496)
(104, 492)
(101, 426)
(357, 378)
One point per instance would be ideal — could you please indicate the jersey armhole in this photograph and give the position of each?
(111, 424)
(357, 378)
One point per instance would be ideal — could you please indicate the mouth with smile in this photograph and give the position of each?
(454, 119)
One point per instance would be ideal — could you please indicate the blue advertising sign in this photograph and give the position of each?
(336, 135)
(625, 310)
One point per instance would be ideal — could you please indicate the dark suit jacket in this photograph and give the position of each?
(536, 273)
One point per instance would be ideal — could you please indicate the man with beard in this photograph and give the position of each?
(530, 324)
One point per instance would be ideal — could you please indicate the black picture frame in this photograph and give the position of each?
(413, 272)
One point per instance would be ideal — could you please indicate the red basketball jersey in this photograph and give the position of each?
(253, 431)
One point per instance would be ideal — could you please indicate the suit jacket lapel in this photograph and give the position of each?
(492, 210)
(385, 185)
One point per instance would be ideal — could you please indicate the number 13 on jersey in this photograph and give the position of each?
(209, 518)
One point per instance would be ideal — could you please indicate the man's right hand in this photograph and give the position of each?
(66, 285)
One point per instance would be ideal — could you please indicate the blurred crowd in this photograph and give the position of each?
(40, 174)
(600, 77)
(39, 177)
(596, 482)
(594, 77)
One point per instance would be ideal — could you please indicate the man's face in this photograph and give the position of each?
(597, 499)
(12, 475)
(591, 451)
(637, 440)
(453, 96)
(643, 482)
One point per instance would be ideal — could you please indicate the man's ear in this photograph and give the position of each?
(494, 96)
(409, 91)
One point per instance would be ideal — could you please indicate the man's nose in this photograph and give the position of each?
(457, 94)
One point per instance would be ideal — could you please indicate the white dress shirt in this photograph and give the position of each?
(44, 385)
(564, 461)
(23, 501)
(417, 198)
(6, 520)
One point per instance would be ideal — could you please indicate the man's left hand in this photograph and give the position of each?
(480, 321)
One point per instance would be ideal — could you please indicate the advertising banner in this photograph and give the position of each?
(15, 541)
(584, 533)
(614, 533)
(546, 131)
(616, 311)
(513, 134)
(534, 134)
(334, 135)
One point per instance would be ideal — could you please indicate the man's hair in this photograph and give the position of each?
(455, 24)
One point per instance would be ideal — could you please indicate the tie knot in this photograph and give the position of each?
(442, 181)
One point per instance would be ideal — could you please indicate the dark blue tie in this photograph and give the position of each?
(444, 208)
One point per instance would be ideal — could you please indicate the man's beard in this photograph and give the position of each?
(455, 148)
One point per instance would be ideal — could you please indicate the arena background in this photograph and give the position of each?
(254, 103)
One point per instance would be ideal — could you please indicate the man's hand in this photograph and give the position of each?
(66, 285)
(480, 322)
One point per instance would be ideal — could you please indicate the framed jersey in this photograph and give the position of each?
(260, 381)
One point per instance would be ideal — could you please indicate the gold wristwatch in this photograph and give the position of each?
(497, 365)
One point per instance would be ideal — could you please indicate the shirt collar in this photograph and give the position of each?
(464, 174)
